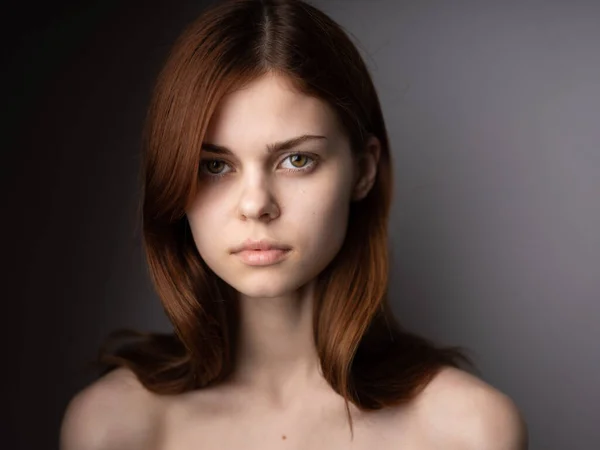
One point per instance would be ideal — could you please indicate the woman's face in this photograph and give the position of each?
(298, 197)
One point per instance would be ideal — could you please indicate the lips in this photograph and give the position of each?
(259, 245)
(262, 257)
(261, 252)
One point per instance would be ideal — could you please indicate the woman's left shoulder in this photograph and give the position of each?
(464, 412)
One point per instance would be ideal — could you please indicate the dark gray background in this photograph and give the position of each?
(493, 110)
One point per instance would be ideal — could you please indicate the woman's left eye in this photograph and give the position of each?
(301, 160)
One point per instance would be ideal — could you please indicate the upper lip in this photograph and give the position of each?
(260, 244)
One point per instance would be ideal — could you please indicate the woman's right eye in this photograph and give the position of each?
(213, 167)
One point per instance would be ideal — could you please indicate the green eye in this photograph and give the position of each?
(298, 158)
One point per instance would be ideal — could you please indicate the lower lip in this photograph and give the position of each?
(262, 257)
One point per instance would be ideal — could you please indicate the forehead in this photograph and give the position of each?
(266, 110)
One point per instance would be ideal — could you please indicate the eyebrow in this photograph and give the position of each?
(271, 148)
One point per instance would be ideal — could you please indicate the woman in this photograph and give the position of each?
(267, 188)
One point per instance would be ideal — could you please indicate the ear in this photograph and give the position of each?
(366, 168)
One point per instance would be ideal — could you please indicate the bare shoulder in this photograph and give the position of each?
(463, 412)
(115, 412)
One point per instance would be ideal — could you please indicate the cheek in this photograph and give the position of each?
(319, 214)
(206, 221)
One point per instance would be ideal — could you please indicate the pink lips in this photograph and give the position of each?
(261, 252)
(262, 257)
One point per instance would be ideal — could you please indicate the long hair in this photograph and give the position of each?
(365, 355)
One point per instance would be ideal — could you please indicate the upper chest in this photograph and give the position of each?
(316, 428)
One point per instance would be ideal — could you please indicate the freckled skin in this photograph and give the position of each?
(257, 198)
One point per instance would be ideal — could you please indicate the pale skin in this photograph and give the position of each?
(278, 398)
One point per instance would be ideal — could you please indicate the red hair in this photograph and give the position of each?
(365, 355)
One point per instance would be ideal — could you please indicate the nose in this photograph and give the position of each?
(257, 202)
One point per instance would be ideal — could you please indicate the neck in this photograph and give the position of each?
(276, 354)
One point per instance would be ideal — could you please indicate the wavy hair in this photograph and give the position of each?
(365, 355)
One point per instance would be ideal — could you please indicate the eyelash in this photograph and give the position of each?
(310, 166)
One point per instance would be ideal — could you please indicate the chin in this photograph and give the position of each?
(265, 283)
(273, 281)
(268, 289)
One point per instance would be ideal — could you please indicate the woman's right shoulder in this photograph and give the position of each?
(114, 412)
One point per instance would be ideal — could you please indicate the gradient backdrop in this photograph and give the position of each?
(493, 110)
